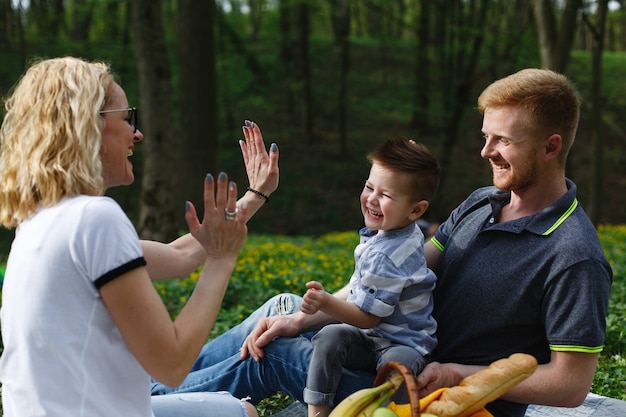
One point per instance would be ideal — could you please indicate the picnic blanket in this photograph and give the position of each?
(593, 406)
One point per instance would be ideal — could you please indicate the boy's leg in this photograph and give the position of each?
(407, 356)
(335, 347)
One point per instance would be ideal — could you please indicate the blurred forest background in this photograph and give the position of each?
(328, 80)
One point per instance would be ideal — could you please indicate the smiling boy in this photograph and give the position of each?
(387, 313)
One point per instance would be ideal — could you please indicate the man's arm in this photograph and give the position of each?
(432, 255)
(565, 381)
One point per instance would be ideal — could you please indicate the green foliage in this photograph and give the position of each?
(610, 378)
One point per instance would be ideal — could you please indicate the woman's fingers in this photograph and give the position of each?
(191, 216)
(222, 230)
(222, 191)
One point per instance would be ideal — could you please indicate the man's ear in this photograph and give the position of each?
(553, 147)
(418, 210)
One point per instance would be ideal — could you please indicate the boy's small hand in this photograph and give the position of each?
(314, 299)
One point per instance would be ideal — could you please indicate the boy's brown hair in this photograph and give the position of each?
(402, 155)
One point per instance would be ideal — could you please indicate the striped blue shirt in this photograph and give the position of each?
(391, 281)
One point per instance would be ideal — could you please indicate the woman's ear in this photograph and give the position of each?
(418, 210)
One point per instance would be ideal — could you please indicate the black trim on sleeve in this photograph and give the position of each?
(111, 275)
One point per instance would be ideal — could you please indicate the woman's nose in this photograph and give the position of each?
(138, 136)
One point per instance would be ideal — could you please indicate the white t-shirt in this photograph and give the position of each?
(63, 354)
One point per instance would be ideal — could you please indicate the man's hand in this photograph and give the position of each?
(265, 331)
(434, 376)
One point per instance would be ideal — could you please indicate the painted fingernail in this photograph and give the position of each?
(209, 178)
(244, 205)
(222, 176)
(246, 122)
(187, 205)
(231, 186)
(274, 147)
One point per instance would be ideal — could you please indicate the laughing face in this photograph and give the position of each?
(118, 141)
(510, 147)
(386, 202)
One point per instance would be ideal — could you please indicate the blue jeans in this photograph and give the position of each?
(283, 368)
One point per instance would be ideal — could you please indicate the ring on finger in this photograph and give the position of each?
(230, 215)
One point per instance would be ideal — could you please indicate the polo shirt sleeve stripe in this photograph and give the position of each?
(120, 270)
(571, 348)
(437, 244)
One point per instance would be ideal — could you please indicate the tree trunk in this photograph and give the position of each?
(464, 45)
(6, 21)
(256, 17)
(159, 211)
(48, 16)
(340, 10)
(420, 119)
(81, 19)
(240, 46)
(555, 42)
(287, 46)
(198, 95)
(304, 67)
(597, 167)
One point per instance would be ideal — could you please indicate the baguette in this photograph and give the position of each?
(478, 389)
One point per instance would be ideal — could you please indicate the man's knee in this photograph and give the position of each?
(283, 304)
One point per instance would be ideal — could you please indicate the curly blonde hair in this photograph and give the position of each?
(51, 135)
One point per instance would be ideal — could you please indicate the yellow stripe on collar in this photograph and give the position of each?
(561, 219)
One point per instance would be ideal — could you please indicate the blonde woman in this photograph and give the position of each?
(82, 325)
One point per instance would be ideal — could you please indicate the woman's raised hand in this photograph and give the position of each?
(261, 167)
(223, 229)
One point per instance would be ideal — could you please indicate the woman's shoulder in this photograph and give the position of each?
(92, 209)
(87, 202)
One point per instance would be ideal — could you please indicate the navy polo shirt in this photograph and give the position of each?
(531, 285)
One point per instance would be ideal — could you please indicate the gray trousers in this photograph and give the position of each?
(337, 346)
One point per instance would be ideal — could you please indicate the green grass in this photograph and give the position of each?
(273, 264)
(610, 378)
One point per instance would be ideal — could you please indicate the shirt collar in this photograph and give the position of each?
(544, 222)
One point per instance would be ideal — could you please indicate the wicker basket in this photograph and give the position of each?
(409, 383)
